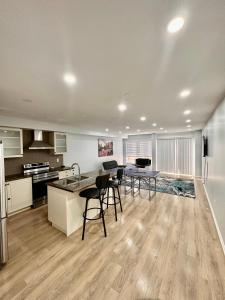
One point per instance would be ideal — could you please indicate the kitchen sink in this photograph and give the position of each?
(71, 180)
(74, 179)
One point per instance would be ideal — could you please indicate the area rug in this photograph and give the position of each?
(169, 185)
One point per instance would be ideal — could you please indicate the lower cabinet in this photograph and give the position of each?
(65, 174)
(19, 194)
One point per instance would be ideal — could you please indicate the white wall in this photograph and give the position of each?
(215, 183)
(84, 150)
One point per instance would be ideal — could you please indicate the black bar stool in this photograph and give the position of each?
(99, 192)
(114, 185)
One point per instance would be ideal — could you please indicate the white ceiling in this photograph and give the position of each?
(120, 51)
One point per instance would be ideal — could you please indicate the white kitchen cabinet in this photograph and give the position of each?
(19, 194)
(12, 142)
(60, 142)
(65, 174)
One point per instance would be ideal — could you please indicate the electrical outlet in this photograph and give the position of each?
(57, 159)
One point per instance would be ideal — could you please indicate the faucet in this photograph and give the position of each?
(78, 167)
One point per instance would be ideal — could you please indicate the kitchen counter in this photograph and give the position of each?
(22, 176)
(72, 187)
(59, 169)
(78, 185)
(66, 207)
(16, 177)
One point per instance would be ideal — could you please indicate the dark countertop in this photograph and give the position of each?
(22, 176)
(76, 187)
(16, 177)
(62, 168)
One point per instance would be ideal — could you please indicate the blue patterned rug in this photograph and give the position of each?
(169, 185)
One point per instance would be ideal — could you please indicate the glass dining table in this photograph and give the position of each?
(137, 176)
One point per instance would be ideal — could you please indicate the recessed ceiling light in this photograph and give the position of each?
(188, 126)
(175, 25)
(138, 130)
(122, 107)
(154, 124)
(143, 118)
(107, 129)
(185, 93)
(127, 127)
(165, 130)
(120, 132)
(5, 131)
(188, 121)
(187, 112)
(69, 78)
(161, 128)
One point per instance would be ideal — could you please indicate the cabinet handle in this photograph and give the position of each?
(9, 199)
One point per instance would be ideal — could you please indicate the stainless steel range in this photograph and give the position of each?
(41, 175)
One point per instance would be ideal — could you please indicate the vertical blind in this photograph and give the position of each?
(175, 155)
(135, 149)
(166, 155)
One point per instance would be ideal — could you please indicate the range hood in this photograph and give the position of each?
(38, 143)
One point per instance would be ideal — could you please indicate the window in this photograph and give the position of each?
(137, 149)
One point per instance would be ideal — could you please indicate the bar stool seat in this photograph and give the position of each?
(90, 193)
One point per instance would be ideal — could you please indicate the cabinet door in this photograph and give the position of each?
(60, 142)
(12, 142)
(21, 193)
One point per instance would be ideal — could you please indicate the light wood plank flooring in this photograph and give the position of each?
(166, 248)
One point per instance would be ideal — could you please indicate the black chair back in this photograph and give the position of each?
(102, 182)
(143, 162)
(108, 165)
(119, 174)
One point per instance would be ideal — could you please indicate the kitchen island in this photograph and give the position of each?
(66, 207)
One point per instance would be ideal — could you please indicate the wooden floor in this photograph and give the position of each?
(166, 248)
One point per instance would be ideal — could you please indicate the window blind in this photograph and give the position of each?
(166, 155)
(138, 149)
(184, 156)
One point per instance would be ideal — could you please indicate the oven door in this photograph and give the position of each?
(40, 191)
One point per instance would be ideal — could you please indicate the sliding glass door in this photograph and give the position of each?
(175, 155)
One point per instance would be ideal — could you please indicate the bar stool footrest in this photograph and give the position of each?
(93, 219)
(111, 198)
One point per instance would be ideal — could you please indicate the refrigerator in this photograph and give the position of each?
(3, 212)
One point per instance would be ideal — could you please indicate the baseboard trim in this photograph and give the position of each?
(215, 221)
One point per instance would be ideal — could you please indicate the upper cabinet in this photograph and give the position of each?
(60, 142)
(12, 139)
